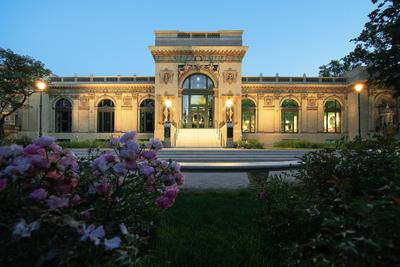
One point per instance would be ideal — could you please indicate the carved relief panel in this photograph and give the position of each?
(84, 102)
(268, 101)
(166, 76)
(230, 76)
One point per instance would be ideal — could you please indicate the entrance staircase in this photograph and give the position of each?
(197, 138)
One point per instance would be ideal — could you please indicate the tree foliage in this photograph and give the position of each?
(377, 47)
(18, 74)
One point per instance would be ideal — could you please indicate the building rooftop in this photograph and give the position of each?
(212, 38)
(245, 80)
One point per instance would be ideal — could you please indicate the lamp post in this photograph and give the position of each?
(358, 87)
(41, 86)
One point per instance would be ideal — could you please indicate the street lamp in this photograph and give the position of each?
(359, 87)
(41, 86)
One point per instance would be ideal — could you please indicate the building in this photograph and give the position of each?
(198, 86)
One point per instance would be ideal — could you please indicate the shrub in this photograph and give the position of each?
(85, 144)
(57, 210)
(249, 144)
(344, 210)
(302, 144)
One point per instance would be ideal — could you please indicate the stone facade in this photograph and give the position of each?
(140, 103)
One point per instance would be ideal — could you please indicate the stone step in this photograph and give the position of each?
(197, 137)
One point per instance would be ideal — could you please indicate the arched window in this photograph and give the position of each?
(248, 116)
(63, 116)
(147, 116)
(289, 116)
(332, 118)
(198, 102)
(105, 116)
(198, 81)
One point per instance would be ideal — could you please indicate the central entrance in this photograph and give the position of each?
(198, 102)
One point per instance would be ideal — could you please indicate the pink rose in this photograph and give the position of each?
(3, 184)
(261, 195)
(38, 194)
(54, 174)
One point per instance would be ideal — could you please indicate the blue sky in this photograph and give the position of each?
(99, 37)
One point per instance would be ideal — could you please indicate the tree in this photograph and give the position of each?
(377, 47)
(335, 68)
(17, 82)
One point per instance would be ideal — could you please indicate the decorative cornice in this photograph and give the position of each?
(100, 86)
(198, 50)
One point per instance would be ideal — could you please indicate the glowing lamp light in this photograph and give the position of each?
(358, 87)
(41, 85)
(229, 103)
(168, 103)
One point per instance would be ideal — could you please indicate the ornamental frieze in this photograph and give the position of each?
(211, 69)
(181, 59)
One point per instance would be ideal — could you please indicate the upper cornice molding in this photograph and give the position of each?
(236, 51)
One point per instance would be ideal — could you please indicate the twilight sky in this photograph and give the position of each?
(111, 37)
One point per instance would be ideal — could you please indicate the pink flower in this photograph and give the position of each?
(146, 169)
(57, 202)
(34, 149)
(180, 178)
(91, 232)
(112, 243)
(54, 174)
(154, 144)
(261, 195)
(109, 157)
(103, 188)
(128, 137)
(3, 184)
(44, 141)
(149, 154)
(38, 194)
(76, 199)
(167, 198)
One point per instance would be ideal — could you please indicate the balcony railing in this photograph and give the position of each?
(304, 79)
(104, 79)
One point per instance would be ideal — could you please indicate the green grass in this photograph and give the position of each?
(209, 229)
(84, 144)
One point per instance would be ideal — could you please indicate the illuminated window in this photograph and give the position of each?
(147, 116)
(332, 118)
(289, 116)
(63, 116)
(198, 81)
(248, 116)
(105, 116)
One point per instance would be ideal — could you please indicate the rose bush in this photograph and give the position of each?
(58, 210)
(344, 209)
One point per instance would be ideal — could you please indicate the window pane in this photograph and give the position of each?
(198, 100)
(198, 82)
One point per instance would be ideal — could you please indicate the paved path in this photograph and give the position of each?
(221, 181)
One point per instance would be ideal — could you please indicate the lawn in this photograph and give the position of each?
(209, 229)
